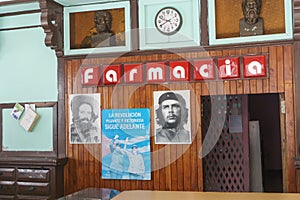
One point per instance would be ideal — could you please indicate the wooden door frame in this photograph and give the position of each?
(282, 119)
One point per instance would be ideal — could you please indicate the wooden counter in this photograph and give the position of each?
(167, 195)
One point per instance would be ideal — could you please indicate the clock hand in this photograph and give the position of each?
(166, 21)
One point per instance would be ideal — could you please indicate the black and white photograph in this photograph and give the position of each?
(84, 120)
(172, 117)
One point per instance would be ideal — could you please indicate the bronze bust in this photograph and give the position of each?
(252, 23)
(100, 35)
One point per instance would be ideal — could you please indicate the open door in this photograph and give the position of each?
(265, 108)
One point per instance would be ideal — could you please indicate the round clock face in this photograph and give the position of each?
(168, 21)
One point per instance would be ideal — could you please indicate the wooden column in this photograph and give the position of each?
(297, 83)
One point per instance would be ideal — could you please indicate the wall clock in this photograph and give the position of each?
(168, 20)
(185, 33)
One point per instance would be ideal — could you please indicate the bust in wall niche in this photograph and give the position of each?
(100, 35)
(252, 24)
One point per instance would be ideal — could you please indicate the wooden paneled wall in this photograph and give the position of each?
(185, 172)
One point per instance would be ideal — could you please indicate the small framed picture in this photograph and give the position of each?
(172, 117)
(257, 21)
(84, 118)
(97, 28)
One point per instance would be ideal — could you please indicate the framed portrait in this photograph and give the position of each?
(84, 119)
(225, 22)
(172, 117)
(97, 28)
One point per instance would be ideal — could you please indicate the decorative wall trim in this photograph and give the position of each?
(2, 3)
(296, 19)
(51, 20)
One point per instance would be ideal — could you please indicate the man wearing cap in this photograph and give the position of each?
(83, 128)
(136, 168)
(172, 115)
(116, 166)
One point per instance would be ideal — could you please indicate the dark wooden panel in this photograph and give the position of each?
(290, 152)
(7, 174)
(37, 175)
(32, 188)
(296, 19)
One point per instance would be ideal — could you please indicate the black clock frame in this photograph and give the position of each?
(177, 29)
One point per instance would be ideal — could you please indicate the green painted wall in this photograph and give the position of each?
(28, 68)
(15, 138)
(28, 73)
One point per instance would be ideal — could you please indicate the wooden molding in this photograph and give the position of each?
(51, 20)
(297, 94)
(296, 19)
(3, 3)
(297, 163)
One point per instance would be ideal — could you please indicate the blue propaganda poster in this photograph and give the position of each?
(126, 144)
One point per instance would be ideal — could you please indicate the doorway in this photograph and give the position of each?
(227, 165)
(265, 108)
